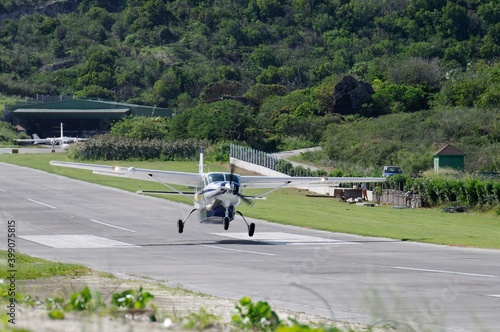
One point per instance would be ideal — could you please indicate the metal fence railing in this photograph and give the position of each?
(253, 156)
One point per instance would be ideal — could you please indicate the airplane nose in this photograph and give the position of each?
(230, 187)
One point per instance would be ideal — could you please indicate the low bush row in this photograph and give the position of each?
(109, 147)
(470, 192)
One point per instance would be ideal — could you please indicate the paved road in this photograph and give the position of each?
(353, 278)
(287, 154)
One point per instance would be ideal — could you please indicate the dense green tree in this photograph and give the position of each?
(153, 13)
(222, 120)
(48, 25)
(102, 16)
(323, 96)
(99, 69)
(258, 93)
(264, 57)
(491, 42)
(475, 86)
(395, 98)
(229, 73)
(166, 88)
(269, 8)
(141, 127)
(489, 11)
(454, 22)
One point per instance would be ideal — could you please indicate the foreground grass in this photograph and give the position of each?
(29, 267)
(293, 207)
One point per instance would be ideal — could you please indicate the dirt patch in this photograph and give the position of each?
(174, 304)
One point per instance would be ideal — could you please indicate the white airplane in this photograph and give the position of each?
(53, 140)
(217, 193)
(62, 141)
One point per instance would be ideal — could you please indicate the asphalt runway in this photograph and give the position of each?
(339, 276)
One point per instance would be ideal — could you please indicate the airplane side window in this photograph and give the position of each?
(206, 180)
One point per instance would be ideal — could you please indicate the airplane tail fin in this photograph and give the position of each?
(201, 166)
(35, 136)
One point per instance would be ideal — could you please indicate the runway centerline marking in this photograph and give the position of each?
(238, 250)
(280, 238)
(38, 202)
(80, 241)
(494, 295)
(114, 226)
(446, 272)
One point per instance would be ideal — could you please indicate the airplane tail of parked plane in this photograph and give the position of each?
(201, 166)
(35, 136)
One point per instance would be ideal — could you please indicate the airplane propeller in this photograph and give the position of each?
(236, 187)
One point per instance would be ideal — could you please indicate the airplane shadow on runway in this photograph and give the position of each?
(256, 243)
(237, 242)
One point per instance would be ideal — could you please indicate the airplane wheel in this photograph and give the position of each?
(180, 226)
(226, 224)
(251, 229)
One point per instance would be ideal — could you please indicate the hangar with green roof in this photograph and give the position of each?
(81, 117)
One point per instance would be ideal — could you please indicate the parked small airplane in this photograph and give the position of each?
(217, 193)
(53, 140)
(62, 141)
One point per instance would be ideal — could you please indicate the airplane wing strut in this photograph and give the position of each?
(171, 188)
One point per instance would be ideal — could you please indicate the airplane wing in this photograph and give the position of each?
(297, 181)
(192, 179)
(74, 139)
(179, 178)
(35, 140)
(25, 140)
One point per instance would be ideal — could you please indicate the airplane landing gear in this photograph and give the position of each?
(251, 227)
(180, 222)
(226, 223)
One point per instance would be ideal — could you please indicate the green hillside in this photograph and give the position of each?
(373, 82)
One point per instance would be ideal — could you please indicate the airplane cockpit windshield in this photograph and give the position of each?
(216, 177)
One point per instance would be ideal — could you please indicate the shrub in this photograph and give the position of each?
(131, 299)
(86, 299)
(255, 316)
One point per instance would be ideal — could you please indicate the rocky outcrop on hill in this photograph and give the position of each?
(350, 94)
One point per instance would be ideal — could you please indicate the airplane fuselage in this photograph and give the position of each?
(217, 196)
